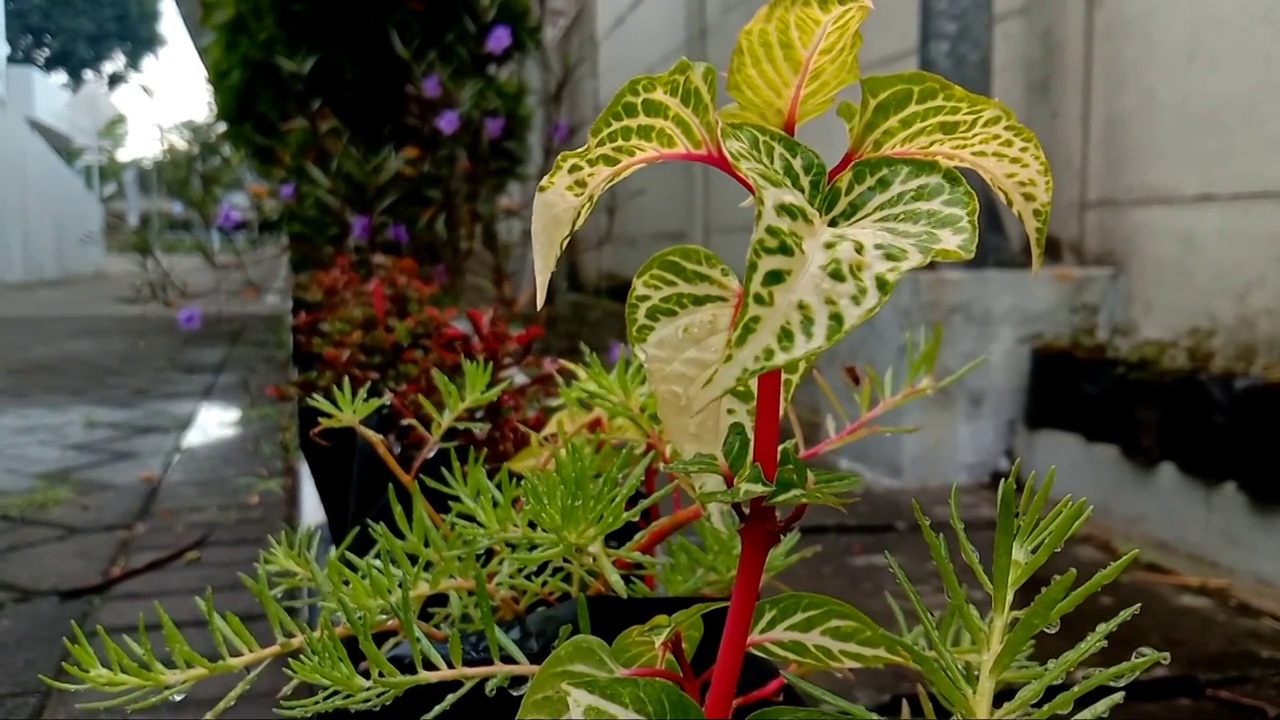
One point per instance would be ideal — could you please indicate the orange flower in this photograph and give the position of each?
(258, 191)
(410, 153)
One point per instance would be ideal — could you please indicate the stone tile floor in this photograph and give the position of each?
(122, 439)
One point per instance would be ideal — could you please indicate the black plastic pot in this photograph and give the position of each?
(1195, 426)
(537, 634)
(1254, 410)
(1073, 393)
(1140, 400)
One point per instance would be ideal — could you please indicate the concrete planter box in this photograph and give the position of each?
(967, 431)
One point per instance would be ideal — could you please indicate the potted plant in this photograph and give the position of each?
(444, 599)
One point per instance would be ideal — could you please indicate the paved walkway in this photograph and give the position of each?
(123, 438)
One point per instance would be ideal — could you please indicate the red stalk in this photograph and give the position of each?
(759, 533)
(767, 691)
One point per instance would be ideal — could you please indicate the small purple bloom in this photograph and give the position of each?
(618, 351)
(398, 233)
(499, 39)
(494, 125)
(432, 86)
(560, 132)
(448, 122)
(288, 191)
(441, 274)
(361, 228)
(229, 218)
(190, 318)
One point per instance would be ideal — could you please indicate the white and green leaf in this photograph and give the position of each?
(633, 698)
(815, 273)
(580, 658)
(644, 645)
(817, 631)
(652, 118)
(791, 60)
(679, 314)
(919, 114)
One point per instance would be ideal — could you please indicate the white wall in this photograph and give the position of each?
(51, 225)
(1155, 115)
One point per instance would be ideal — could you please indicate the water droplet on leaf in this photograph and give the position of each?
(1052, 627)
(178, 697)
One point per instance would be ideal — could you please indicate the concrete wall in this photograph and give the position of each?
(1153, 113)
(51, 224)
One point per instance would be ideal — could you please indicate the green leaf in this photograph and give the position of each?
(796, 484)
(919, 114)
(747, 487)
(817, 631)
(792, 58)
(808, 282)
(828, 698)
(652, 118)
(580, 658)
(644, 645)
(700, 463)
(799, 713)
(628, 697)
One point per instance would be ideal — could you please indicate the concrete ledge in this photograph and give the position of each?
(1213, 526)
(967, 431)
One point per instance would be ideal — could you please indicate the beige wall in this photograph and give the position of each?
(1157, 115)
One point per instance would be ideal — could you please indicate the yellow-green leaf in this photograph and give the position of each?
(679, 314)
(818, 631)
(791, 60)
(633, 698)
(652, 118)
(579, 658)
(815, 273)
(919, 114)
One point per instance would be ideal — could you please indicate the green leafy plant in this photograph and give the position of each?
(715, 362)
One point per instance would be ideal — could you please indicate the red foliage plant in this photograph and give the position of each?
(388, 330)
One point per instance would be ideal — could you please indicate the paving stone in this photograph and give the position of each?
(14, 534)
(92, 506)
(122, 612)
(884, 508)
(66, 562)
(32, 635)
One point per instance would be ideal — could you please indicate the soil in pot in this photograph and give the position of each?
(536, 635)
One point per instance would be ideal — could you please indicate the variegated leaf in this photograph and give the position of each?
(645, 645)
(652, 118)
(634, 698)
(791, 60)
(809, 282)
(679, 314)
(919, 114)
(818, 631)
(579, 658)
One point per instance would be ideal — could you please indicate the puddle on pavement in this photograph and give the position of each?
(214, 422)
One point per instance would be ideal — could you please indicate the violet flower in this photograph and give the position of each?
(618, 351)
(229, 218)
(561, 132)
(432, 86)
(448, 122)
(499, 39)
(398, 233)
(288, 191)
(441, 274)
(190, 318)
(361, 228)
(494, 126)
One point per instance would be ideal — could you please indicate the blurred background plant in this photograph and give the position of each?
(399, 128)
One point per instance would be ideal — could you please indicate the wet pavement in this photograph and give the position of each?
(1226, 656)
(122, 439)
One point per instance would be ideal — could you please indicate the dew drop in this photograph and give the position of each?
(1146, 652)
(178, 697)
(1052, 627)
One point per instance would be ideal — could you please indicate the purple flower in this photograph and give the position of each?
(618, 351)
(498, 40)
(398, 233)
(561, 132)
(288, 191)
(361, 228)
(448, 122)
(432, 86)
(441, 274)
(190, 318)
(494, 125)
(229, 218)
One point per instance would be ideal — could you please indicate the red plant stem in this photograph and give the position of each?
(651, 489)
(849, 158)
(764, 692)
(759, 533)
(861, 423)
